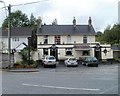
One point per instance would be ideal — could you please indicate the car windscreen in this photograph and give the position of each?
(72, 59)
(91, 59)
(50, 58)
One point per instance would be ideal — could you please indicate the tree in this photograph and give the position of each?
(54, 22)
(18, 19)
(33, 21)
(108, 27)
(111, 35)
(99, 33)
(99, 37)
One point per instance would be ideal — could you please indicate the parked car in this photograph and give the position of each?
(71, 62)
(49, 61)
(87, 61)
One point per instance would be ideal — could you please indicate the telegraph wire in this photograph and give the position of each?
(24, 4)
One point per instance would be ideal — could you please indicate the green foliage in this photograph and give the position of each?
(18, 19)
(34, 39)
(33, 21)
(24, 54)
(99, 37)
(24, 62)
(110, 35)
(18, 63)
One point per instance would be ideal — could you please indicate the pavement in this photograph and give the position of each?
(22, 70)
(36, 69)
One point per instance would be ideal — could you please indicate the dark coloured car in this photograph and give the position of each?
(90, 61)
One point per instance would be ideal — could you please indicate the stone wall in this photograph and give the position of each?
(4, 60)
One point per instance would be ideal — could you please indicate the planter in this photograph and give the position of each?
(18, 66)
(30, 66)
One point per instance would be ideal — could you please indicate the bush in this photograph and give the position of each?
(32, 62)
(17, 64)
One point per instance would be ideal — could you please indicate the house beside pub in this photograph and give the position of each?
(64, 41)
(19, 38)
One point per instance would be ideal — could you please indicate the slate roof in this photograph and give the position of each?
(18, 31)
(66, 30)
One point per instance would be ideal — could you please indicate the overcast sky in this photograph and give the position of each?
(103, 12)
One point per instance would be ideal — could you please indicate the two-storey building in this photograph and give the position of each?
(64, 41)
(18, 36)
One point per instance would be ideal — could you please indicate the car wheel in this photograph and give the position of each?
(96, 65)
(44, 65)
(54, 66)
(83, 64)
(67, 66)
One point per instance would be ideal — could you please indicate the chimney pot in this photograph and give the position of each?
(74, 22)
(39, 22)
(90, 21)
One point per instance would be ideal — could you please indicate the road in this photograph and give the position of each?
(63, 80)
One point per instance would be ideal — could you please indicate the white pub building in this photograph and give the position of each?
(64, 41)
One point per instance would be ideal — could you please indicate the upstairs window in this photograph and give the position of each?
(68, 39)
(15, 39)
(68, 51)
(85, 39)
(57, 39)
(45, 39)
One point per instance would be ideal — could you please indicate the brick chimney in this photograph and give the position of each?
(90, 21)
(74, 22)
(39, 22)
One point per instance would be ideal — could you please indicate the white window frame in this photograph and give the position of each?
(15, 39)
(45, 38)
(68, 39)
(69, 49)
(85, 39)
(57, 41)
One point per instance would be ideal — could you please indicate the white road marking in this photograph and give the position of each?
(111, 88)
(70, 88)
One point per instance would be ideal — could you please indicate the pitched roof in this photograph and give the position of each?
(18, 31)
(66, 30)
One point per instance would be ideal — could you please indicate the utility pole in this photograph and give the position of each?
(9, 36)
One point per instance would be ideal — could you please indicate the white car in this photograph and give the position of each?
(49, 61)
(71, 62)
